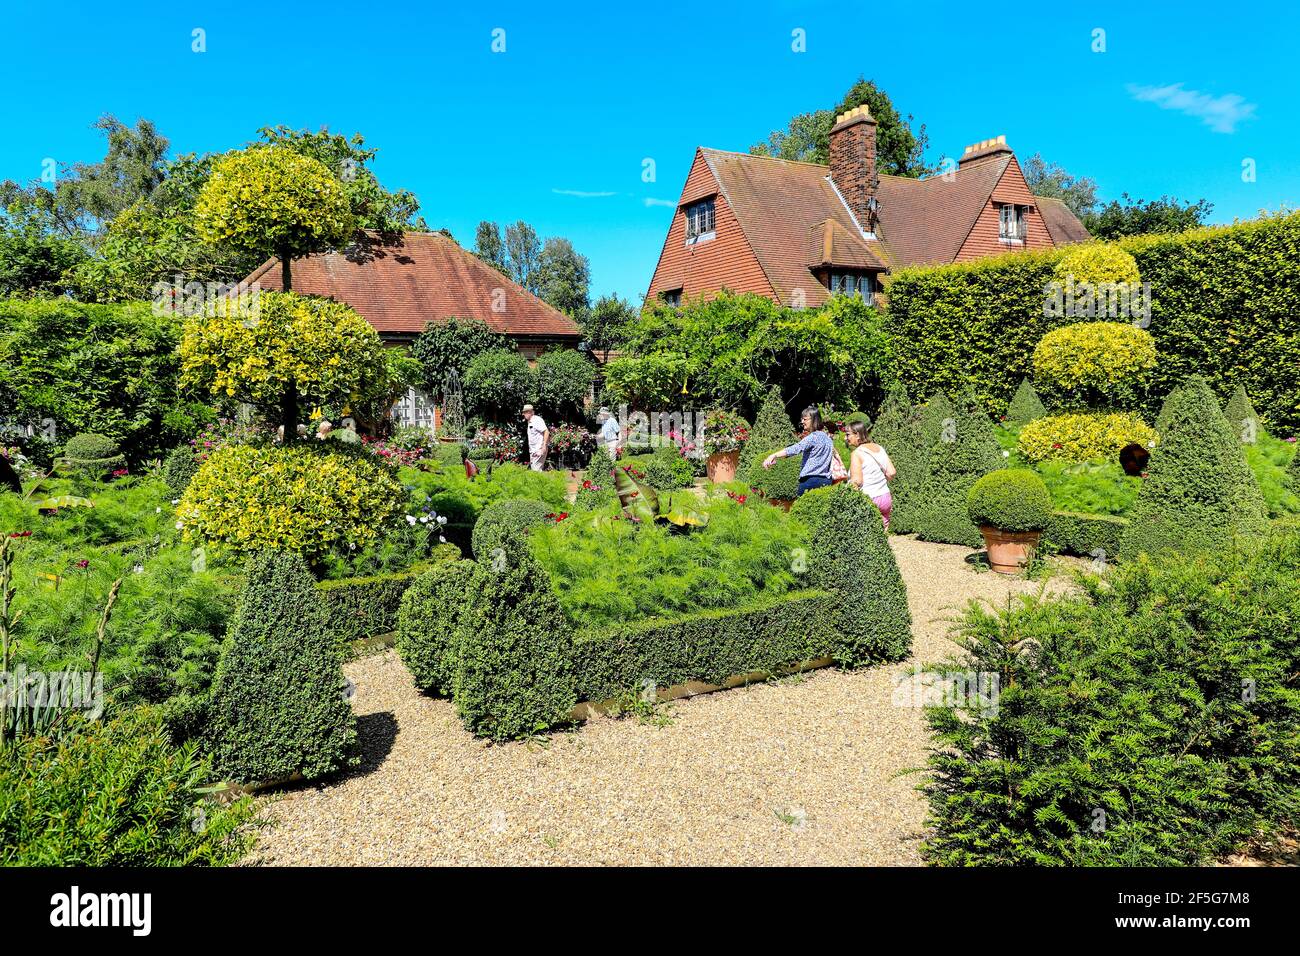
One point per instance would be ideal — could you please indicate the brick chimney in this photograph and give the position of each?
(853, 162)
(983, 149)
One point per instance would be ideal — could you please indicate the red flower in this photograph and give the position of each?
(20, 534)
(1057, 445)
(586, 484)
(120, 473)
(742, 498)
(83, 564)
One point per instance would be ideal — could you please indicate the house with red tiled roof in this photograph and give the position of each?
(799, 232)
(399, 285)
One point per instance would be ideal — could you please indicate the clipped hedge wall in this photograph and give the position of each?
(1085, 535)
(1224, 301)
(356, 608)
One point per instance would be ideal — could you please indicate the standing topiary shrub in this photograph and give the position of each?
(514, 673)
(852, 558)
(1095, 365)
(91, 454)
(597, 488)
(898, 430)
(1199, 492)
(1025, 406)
(279, 706)
(178, 468)
(772, 431)
(668, 469)
(427, 623)
(1242, 417)
(1011, 499)
(505, 519)
(965, 450)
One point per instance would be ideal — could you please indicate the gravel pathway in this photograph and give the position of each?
(799, 771)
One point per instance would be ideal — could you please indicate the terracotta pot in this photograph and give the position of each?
(1009, 551)
(722, 466)
(782, 503)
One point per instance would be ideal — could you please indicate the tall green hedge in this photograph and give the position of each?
(1199, 492)
(278, 698)
(1224, 302)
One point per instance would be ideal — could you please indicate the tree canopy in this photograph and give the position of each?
(900, 151)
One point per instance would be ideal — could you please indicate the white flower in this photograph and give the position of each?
(424, 519)
(180, 525)
(442, 539)
(442, 519)
(176, 501)
(1006, 454)
(410, 519)
(157, 511)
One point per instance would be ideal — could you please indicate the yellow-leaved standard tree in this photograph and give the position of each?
(273, 201)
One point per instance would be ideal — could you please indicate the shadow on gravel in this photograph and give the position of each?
(376, 734)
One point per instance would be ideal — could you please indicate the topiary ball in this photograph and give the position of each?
(505, 520)
(1013, 499)
(88, 446)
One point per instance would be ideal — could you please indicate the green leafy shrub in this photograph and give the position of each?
(357, 608)
(514, 660)
(312, 498)
(461, 500)
(563, 380)
(1011, 499)
(497, 384)
(431, 612)
(179, 467)
(668, 469)
(1199, 492)
(1025, 405)
(1269, 459)
(780, 482)
(278, 702)
(111, 794)
(607, 569)
(851, 557)
(505, 520)
(1125, 706)
(1094, 364)
(898, 430)
(964, 451)
(772, 431)
(979, 322)
(597, 488)
(1083, 436)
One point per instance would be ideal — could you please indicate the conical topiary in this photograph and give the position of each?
(1166, 407)
(964, 451)
(1025, 406)
(1199, 492)
(772, 431)
(898, 431)
(279, 702)
(1242, 417)
(514, 669)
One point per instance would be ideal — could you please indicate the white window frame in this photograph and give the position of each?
(701, 221)
(1012, 223)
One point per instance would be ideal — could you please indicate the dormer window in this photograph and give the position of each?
(1011, 223)
(851, 282)
(672, 297)
(699, 221)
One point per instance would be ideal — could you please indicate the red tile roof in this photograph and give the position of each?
(419, 278)
(792, 216)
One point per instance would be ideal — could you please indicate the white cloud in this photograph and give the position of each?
(659, 202)
(581, 194)
(1220, 113)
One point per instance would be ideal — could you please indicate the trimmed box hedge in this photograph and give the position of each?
(1223, 303)
(1075, 533)
(357, 608)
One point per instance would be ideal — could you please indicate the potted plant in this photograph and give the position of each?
(725, 433)
(1012, 507)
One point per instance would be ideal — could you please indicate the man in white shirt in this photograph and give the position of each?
(610, 433)
(539, 438)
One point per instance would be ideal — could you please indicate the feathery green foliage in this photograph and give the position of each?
(278, 699)
(1199, 491)
(1150, 721)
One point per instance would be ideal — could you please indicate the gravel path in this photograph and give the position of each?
(799, 771)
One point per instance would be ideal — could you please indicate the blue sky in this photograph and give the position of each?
(555, 129)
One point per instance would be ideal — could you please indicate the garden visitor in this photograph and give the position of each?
(610, 433)
(323, 430)
(817, 449)
(539, 438)
(870, 468)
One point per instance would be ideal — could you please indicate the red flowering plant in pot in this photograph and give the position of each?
(1012, 506)
(725, 434)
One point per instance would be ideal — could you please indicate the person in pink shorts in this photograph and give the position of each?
(870, 468)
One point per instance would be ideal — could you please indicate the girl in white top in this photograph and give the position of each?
(870, 468)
